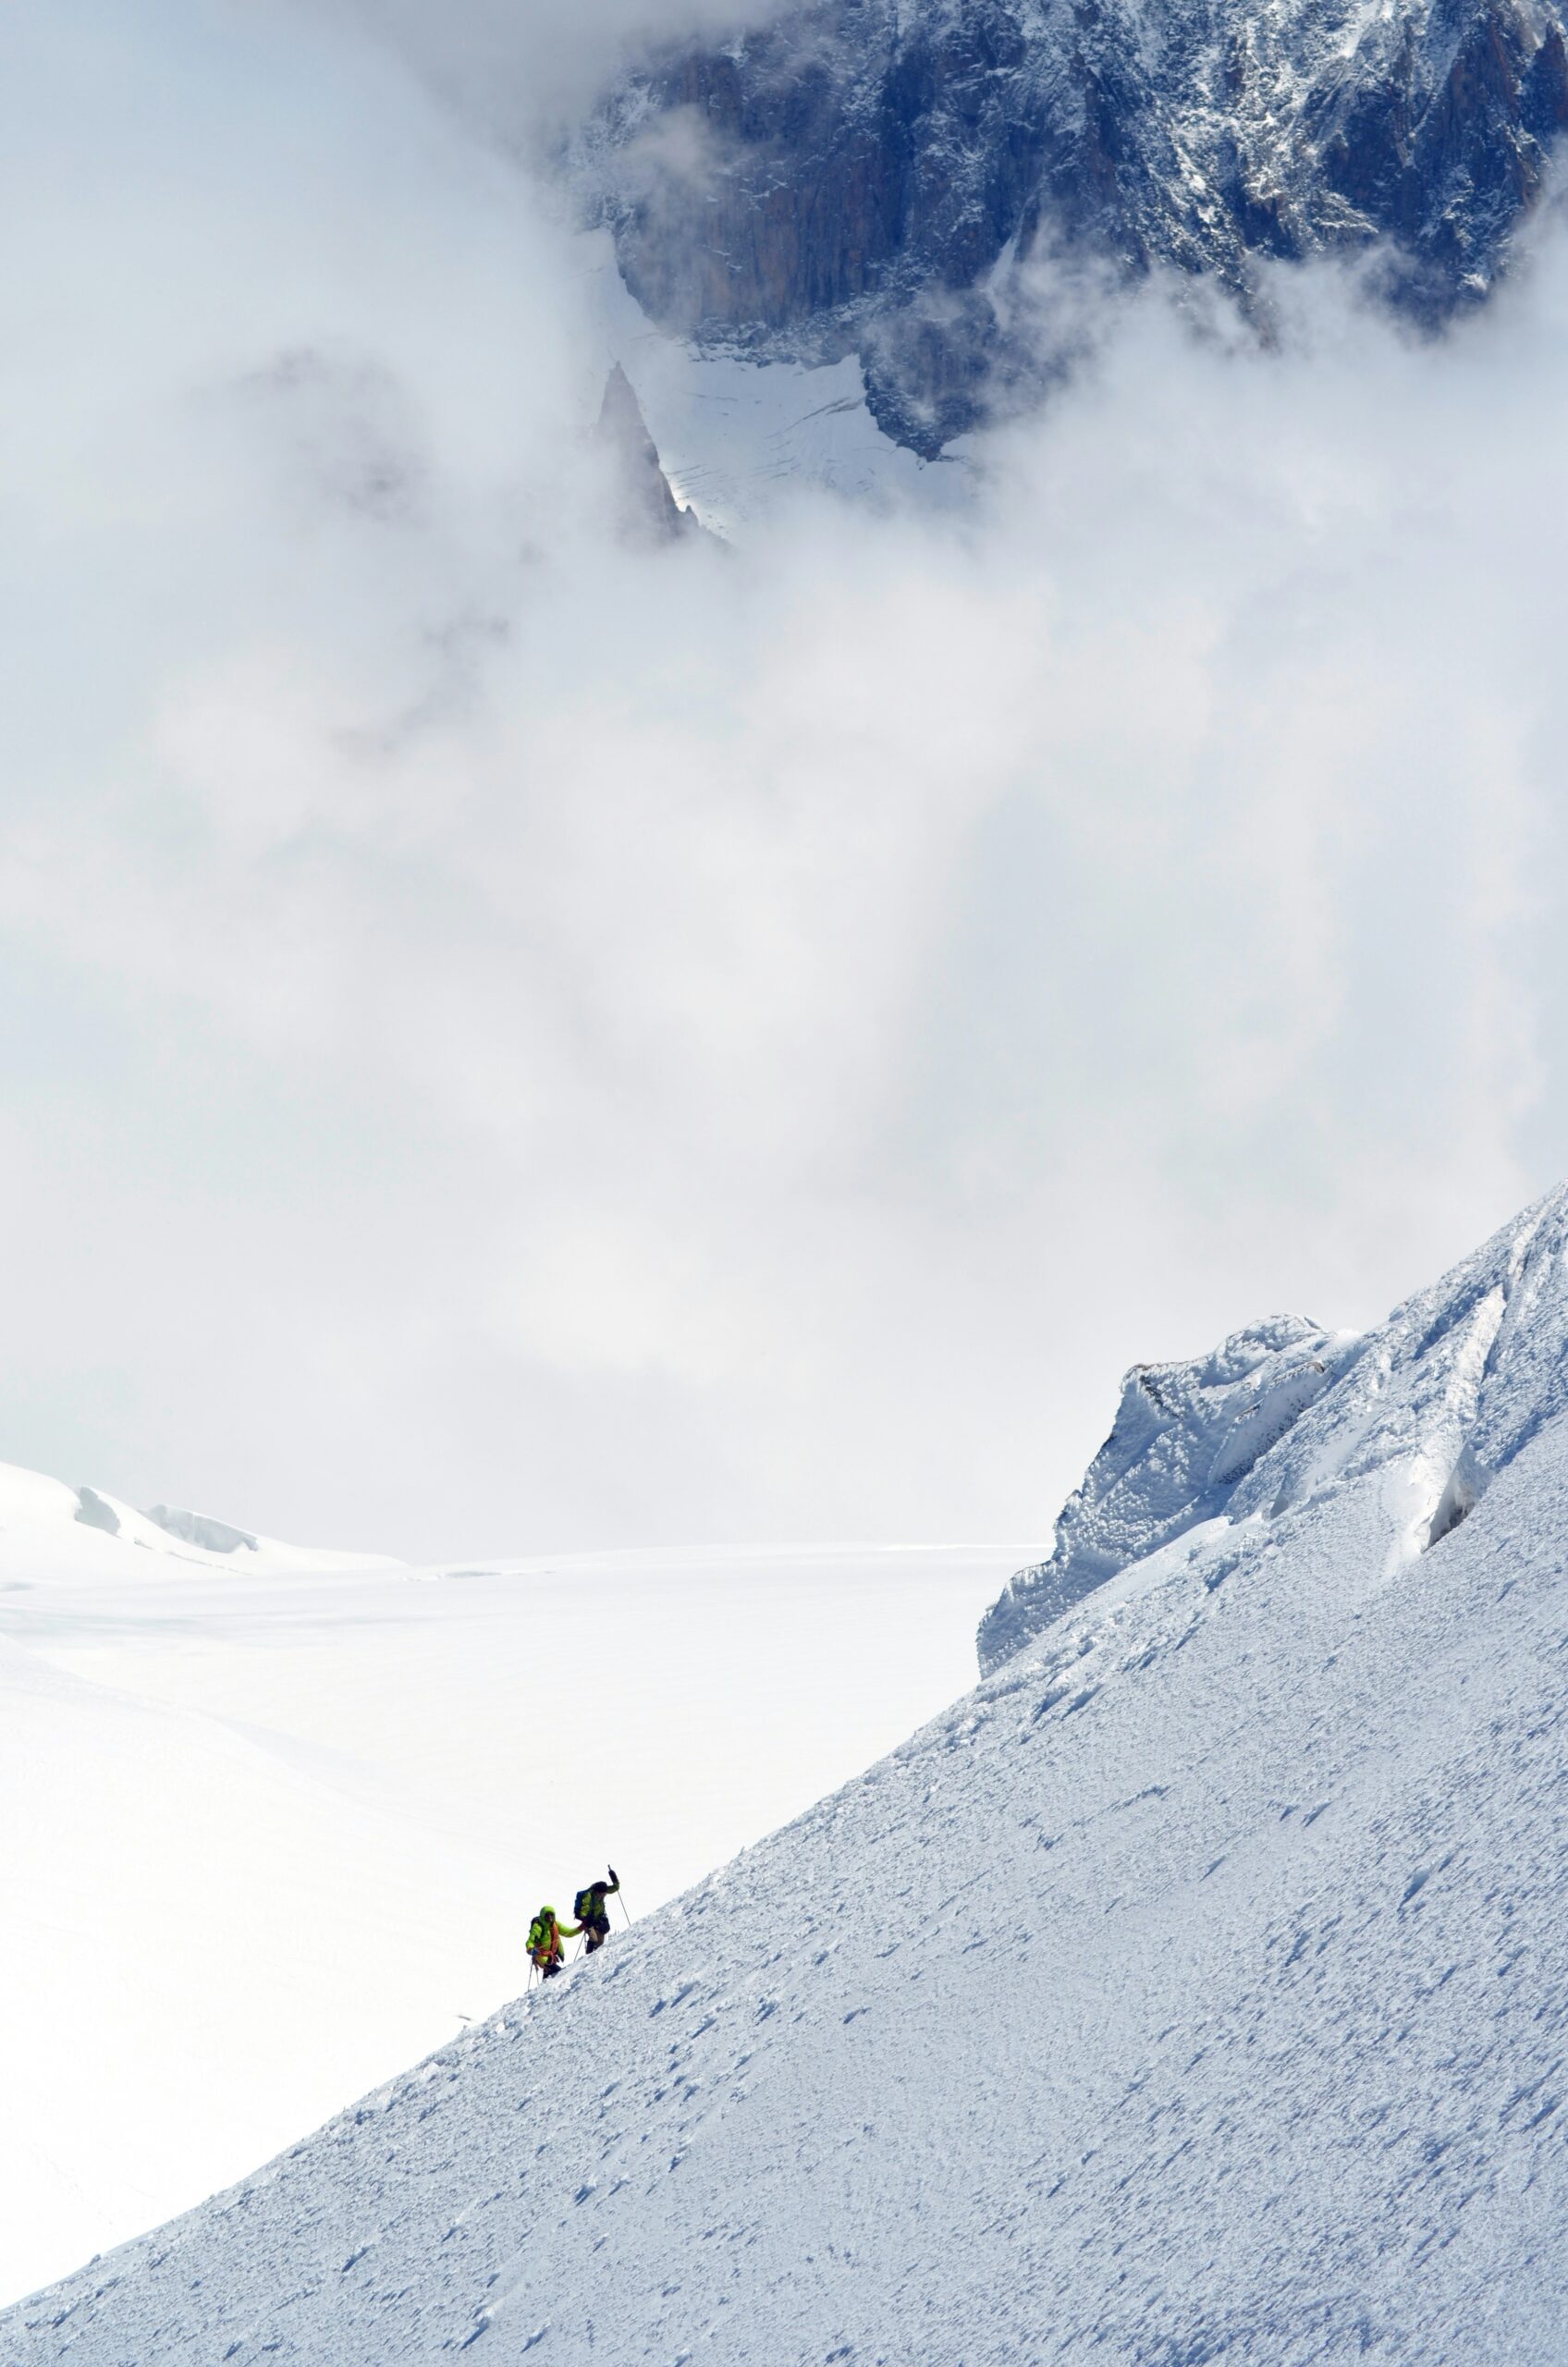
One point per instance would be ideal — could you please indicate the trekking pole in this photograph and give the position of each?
(623, 1910)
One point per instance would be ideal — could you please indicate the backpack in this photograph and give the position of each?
(587, 1901)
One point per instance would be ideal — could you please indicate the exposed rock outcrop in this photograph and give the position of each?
(1238, 1444)
(647, 510)
(876, 177)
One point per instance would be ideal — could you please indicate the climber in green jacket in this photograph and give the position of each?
(545, 1936)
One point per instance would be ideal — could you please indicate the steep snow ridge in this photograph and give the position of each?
(1437, 1403)
(1193, 1989)
(206, 1943)
(265, 1834)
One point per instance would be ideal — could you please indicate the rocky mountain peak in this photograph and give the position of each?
(646, 508)
(879, 177)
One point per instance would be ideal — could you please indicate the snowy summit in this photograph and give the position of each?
(1193, 1989)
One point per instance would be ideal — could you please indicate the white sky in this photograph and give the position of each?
(506, 1044)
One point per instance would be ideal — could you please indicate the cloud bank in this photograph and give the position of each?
(521, 68)
(511, 1041)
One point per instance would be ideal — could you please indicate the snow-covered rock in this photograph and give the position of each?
(1193, 1989)
(1185, 1437)
(879, 176)
(201, 1528)
(1437, 1401)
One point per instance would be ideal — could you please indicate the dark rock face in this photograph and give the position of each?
(647, 510)
(870, 175)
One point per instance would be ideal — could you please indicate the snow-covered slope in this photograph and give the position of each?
(1193, 1989)
(266, 1835)
(206, 1941)
(48, 1529)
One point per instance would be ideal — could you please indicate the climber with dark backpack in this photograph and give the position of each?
(545, 1936)
(589, 1909)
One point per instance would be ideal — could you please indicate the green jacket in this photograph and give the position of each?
(545, 1934)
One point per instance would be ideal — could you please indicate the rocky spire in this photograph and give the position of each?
(647, 509)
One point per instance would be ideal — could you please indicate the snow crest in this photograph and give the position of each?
(1437, 1401)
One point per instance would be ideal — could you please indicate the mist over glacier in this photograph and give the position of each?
(512, 1039)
